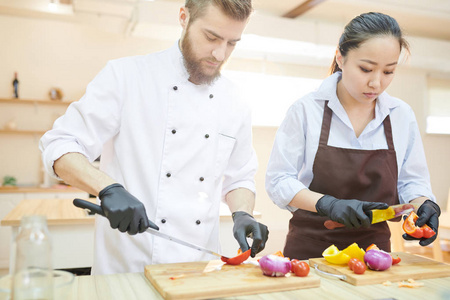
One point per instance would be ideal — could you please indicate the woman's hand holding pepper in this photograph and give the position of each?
(352, 213)
(428, 213)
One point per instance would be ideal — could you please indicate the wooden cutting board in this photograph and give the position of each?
(203, 280)
(411, 266)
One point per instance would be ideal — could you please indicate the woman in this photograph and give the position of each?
(349, 147)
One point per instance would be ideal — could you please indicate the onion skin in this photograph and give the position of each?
(378, 260)
(274, 266)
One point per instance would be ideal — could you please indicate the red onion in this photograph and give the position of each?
(378, 260)
(274, 266)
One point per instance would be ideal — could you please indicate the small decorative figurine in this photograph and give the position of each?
(16, 86)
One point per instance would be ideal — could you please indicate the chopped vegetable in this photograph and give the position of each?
(299, 268)
(278, 253)
(411, 283)
(274, 266)
(334, 256)
(373, 246)
(359, 267)
(237, 260)
(378, 260)
(354, 251)
(396, 260)
(409, 226)
(387, 283)
(351, 263)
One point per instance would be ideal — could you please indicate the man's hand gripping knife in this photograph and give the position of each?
(246, 226)
(352, 213)
(428, 213)
(123, 210)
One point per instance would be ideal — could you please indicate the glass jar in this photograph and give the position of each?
(33, 272)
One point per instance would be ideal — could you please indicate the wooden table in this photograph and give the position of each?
(71, 229)
(136, 286)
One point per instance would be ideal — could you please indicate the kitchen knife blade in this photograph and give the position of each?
(380, 215)
(98, 210)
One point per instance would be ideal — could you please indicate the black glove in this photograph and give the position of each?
(428, 213)
(245, 225)
(123, 210)
(351, 213)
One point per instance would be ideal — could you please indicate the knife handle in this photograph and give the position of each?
(94, 208)
(329, 224)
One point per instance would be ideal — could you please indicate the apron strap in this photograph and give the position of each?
(388, 132)
(326, 123)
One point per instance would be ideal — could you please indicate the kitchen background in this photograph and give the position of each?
(64, 44)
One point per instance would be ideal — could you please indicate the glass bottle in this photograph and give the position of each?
(33, 272)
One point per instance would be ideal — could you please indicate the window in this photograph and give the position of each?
(438, 119)
(270, 96)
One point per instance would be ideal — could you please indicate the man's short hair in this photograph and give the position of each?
(238, 10)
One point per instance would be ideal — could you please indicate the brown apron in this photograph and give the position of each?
(366, 175)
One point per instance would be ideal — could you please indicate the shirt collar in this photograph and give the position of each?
(327, 91)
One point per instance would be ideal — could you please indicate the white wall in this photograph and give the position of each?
(51, 53)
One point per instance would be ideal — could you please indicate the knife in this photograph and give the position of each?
(380, 215)
(95, 209)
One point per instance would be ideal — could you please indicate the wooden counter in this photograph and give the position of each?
(136, 286)
(36, 189)
(57, 211)
(71, 229)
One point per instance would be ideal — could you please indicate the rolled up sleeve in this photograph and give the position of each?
(286, 161)
(87, 123)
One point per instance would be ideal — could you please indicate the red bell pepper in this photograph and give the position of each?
(409, 226)
(239, 259)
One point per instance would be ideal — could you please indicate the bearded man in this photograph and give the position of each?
(174, 142)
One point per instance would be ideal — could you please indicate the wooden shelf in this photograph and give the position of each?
(25, 132)
(28, 101)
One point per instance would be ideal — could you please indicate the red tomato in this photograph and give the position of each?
(299, 268)
(237, 260)
(351, 263)
(359, 267)
(396, 260)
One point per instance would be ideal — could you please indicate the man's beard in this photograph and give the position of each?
(194, 65)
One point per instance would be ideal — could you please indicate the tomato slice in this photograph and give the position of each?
(237, 260)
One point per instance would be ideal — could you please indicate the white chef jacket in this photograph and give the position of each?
(176, 146)
(290, 167)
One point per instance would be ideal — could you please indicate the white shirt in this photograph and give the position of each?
(146, 120)
(297, 140)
